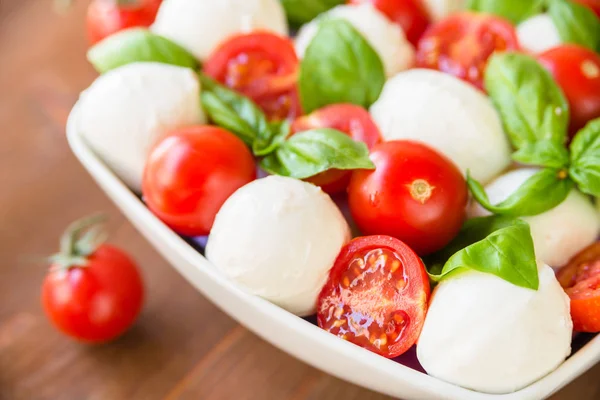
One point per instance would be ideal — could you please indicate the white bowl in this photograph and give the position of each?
(292, 334)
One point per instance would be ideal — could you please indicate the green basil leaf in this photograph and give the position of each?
(138, 45)
(339, 66)
(575, 23)
(585, 158)
(544, 153)
(309, 153)
(507, 252)
(513, 10)
(530, 103)
(302, 11)
(275, 136)
(233, 111)
(540, 193)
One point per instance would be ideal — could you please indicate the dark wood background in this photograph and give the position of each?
(182, 346)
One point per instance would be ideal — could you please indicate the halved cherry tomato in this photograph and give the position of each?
(461, 44)
(593, 5)
(105, 17)
(354, 121)
(376, 295)
(414, 194)
(411, 15)
(577, 71)
(581, 280)
(93, 291)
(262, 66)
(191, 172)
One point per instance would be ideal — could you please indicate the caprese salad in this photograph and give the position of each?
(413, 172)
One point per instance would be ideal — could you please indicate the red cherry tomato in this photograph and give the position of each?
(593, 5)
(191, 172)
(461, 44)
(262, 66)
(94, 295)
(354, 121)
(581, 280)
(411, 15)
(376, 296)
(577, 71)
(105, 17)
(415, 194)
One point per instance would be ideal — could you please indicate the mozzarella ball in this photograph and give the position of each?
(447, 114)
(125, 111)
(558, 234)
(278, 238)
(538, 34)
(486, 334)
(201, 25)
(385, 37)
(439, 9)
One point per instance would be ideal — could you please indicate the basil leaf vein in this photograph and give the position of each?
(309, 153)
(540, 193)
(138, 45)
(339, 66)
(506, 252)
(585, 158)
(531, 105)
(575, 23)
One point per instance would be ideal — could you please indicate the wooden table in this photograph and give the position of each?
(182, 346)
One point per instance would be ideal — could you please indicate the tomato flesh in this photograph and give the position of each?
(262, 66)
(105, 17)
(350, 119)
(581, 280)
(97, 302)
(462, 43)
(411, 15)
(376, 296)
(577, 71)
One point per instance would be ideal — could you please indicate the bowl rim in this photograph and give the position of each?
(137, 213)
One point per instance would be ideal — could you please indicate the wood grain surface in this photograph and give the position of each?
(182, 347)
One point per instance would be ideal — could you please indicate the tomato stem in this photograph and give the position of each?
(80, 240)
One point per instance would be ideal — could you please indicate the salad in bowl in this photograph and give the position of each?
(397, 182)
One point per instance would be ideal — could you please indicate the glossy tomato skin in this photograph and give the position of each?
(376, 296)
(350, 119)
(577, 71)
(191, 172)
(97, 302)
(581, 280)
(462, 43)
(415, 194)
(105, 17)
(262, 66)
(411, 15)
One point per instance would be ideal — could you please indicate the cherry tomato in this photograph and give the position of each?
(577, 71)
(411, 15)
(461, 44)
(581, 280)
(593, 5)
(191, 172)
(414, 194)
(354, 121)
(262, 66)
(93, 292)
(376, 295)
(105, 17)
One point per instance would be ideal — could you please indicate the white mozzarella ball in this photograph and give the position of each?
(558, 234)
(128, 109)
(201, 25)
(447, 114)
(439, 9)
(385, 37)
(486, 334)
(278, 238)
(538, 34)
